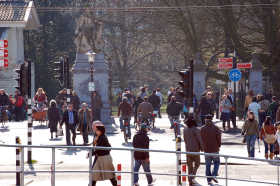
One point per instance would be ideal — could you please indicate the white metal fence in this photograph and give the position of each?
(53, 170)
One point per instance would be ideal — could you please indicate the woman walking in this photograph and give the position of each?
(267, 134)
(54, 118)
(103, 160)
(226, 110)
(250, 129)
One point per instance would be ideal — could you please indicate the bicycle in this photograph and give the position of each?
(126, 129)
(3, 116)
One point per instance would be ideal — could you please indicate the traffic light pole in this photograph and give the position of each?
(29, 113)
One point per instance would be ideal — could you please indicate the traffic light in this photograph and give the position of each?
(185, 83)
(60, 67)
(19, 79)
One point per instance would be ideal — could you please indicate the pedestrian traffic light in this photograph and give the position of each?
(185, 82)
(60, 70)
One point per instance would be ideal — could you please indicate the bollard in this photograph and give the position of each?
(18, 169)
(119, 177)
(29, 132)
(184, 178)
(179, 162)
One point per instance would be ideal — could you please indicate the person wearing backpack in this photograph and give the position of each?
(267, 134)
(19, 106)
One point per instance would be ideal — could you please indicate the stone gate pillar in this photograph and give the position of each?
(256, 76)
(199, 76)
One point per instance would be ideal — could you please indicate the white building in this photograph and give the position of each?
(15, 17)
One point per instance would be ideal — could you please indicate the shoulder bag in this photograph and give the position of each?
(269, 138)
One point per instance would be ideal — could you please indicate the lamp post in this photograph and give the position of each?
(91, 86)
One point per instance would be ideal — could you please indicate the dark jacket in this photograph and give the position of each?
(54, 118)
(211, 138)
(155, 101)
(102, 142)
(4, 100)
(174, 108)
(65, 119)
(125, 109)
(97, 102)
(81, 120)
(141, 141)
(193, 139)
(272, 110)
(60, 99)
(204, 107)
(76, 102)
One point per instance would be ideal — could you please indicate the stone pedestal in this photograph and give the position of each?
(256, 76)
(81, 78)
(199, 76)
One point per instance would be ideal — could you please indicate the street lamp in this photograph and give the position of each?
(91, 86)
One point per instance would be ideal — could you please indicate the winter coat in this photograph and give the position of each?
(75, 100)
(145, 108)
(54, 118)
(141, 141)
(97, 102)
(211, 138)
(174, 108)
(4, 100)
(250, 127)
(192, 138)
(81, 120)
(155, 101)
(125, 109)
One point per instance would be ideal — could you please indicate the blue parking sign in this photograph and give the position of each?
(235, 75)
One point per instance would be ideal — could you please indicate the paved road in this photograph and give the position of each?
(162, 138)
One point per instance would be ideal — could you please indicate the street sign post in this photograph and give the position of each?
(3, 43)
(235, 75)
(225, 65)
(244, 65)
(226, 60)
(3, 53)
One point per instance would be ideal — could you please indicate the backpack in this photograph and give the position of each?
(269, 138)
(19, 101)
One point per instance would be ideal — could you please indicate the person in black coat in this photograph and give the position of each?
(54, 117)
(204, 108)
(70, 118)
(155, 100)
(142, 141)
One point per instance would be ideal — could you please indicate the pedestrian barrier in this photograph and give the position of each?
(20, 169)
(184, 172)
(119, 177)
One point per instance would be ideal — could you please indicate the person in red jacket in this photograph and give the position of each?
(268, 129)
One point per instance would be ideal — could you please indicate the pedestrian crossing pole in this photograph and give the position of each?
(179, 160)
(29, 115)
(17, 162)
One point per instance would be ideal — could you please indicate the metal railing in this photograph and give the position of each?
(53, 170)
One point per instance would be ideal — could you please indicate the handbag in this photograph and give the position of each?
(269, 138)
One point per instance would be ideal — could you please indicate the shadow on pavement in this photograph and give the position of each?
(5, 129)
(158, 130)
(56, 139)
(31, 168)
(129, 144)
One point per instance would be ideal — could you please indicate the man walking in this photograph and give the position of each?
(193, 143)
(142, 141)
(158, 93)
(85, 122)
(97, 106)
(70, 118)
(173, 110)
(211, 139)
(125, 111)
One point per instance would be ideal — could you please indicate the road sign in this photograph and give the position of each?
(3, 43)
(3, 62)
(3, 53)
(226, 60)
(244, 65)
(225, 65)
(91, 86)
(235, 75)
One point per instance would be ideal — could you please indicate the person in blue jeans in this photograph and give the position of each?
(125, 112)
(141, 140)
(250, 129)
(211, 140)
